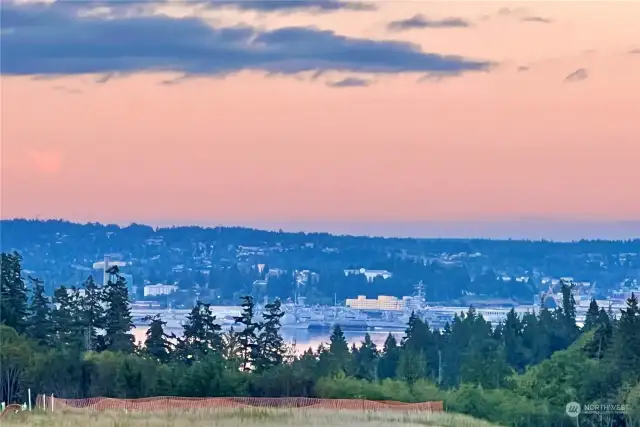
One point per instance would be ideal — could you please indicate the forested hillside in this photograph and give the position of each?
(220, 263)
(522, 372)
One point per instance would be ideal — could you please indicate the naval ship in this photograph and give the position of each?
(298, 315)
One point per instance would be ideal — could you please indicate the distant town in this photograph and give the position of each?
(362, 283)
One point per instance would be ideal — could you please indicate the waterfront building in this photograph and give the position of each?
(383, 302)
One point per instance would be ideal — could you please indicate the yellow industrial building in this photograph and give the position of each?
(383, 302)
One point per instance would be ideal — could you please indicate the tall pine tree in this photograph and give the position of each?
(390, 357)
(13, 293)
(200, 336)
(92, 314)
(40, 326)
(571, 331)
(67, 327)
(591, 319)
(117, 319)
(248, 336)
(366, 360)
(157, 343)
(627, 341)
(512, 337)
(271, 348)
(339, 357)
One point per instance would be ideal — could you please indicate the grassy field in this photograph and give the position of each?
(239, 418)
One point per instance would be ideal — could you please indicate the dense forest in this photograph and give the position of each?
(521, 372)
(219, 264)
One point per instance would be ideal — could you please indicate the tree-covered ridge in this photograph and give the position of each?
(521, 372)
(222, 261)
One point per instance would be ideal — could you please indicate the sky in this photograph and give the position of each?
(324, 113)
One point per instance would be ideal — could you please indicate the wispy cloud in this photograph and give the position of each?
(523, 15)
(55, 40)
(635, 51)
(538, 19)
(509, 11)
(65, 89)
(578, 75)
(523, 68)
(350, 82)
(420, 21)
(285, 6)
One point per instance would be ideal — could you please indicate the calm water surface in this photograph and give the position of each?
(303, 339)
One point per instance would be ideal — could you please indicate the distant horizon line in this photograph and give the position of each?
(549, 229)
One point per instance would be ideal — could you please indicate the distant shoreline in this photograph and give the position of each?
(554, 230)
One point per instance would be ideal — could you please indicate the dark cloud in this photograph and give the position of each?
(280, 6)
(634, 52)
(523, 68)
(54, 40)
(350, 82)
(578, 75)
(105, 78)
(538, 19)
(314, 6)
(420, 21)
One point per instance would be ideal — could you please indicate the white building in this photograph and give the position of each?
(370, 274)
(159, 289)
(304, 277)
(102, 265)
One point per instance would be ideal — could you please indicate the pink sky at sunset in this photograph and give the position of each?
(518, 139)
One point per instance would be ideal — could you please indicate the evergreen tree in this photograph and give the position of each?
(13, 293)
(230, 345)
(201, 335)
(602, 336)
(591, 319)
(412, 365)
(338, 343)
(65, 319)
(92, 314)
(40, 326)
(157, 343)
(512, 336)
(571, 331)
(627, 341)
(338, 352)
(485, 363)
(411, 328)
(248, 336)
(389, 359)
(421, 340)
(117, 318)
(366, 360)
(271, 346)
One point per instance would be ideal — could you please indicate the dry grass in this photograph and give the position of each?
(239, 418)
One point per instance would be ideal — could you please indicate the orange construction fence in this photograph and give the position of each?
(11, 409)
(153, 404)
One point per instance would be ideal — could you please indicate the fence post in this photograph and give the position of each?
(29, 400)
(51, 402)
